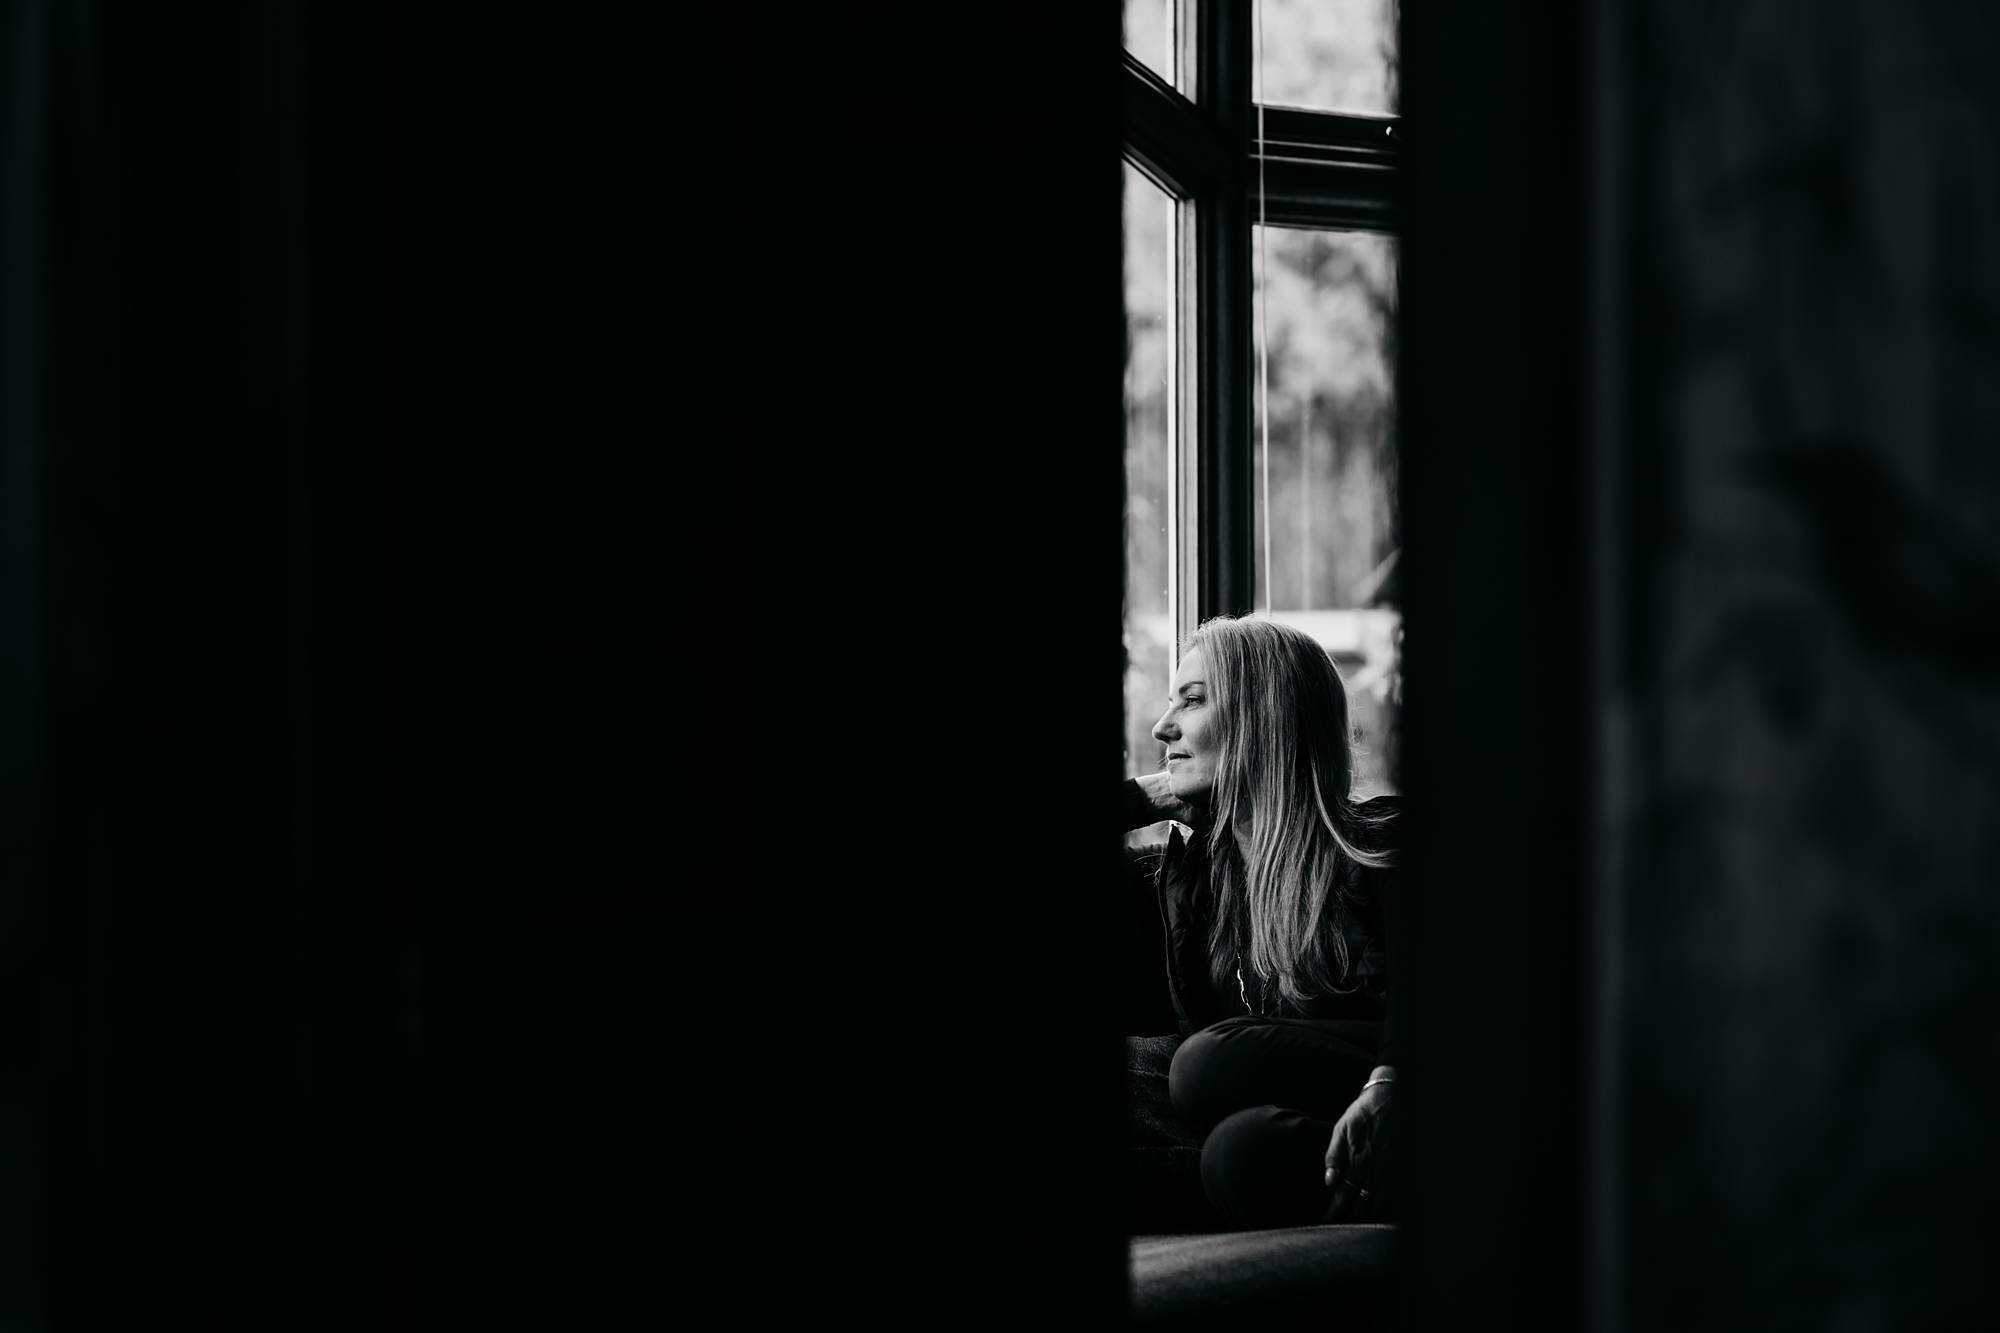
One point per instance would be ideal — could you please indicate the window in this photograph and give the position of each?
(1261, 295)
(1149, 582)
(1329, 55)
(1327, 530)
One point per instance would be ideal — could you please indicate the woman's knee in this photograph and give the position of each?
(1265, 1167)
(1193, 1079)
(1203, 1081)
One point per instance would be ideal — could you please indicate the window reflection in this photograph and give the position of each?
(1149, 222)
(1327, 524)
(1328, 55)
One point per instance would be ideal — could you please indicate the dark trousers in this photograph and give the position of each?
(1248, 1112)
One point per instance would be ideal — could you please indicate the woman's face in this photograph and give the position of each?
(1188, 731)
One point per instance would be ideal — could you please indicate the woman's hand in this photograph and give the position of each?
(1355, 1159)
(1159, 792)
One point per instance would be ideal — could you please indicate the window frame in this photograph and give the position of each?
(1227, 163)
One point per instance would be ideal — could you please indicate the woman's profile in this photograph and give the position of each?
(1271, 1106)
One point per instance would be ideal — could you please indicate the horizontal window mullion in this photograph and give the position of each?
(1324, 169)
(1375, 138)
(1325, 195)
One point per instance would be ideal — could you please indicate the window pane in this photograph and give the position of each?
(1149, 236)
(1149, 26)
(1328, 531)
(1329, 55)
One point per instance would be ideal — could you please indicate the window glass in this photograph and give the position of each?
(1329, 55)
(1149, 26)
(1328, 532)
(1149, 232)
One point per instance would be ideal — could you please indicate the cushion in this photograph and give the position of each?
(1332, 1277)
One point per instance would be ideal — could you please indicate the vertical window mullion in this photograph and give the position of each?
(1184, 399)
(1185, 385)
(1225, 519)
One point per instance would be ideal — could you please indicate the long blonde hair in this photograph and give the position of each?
(1286, 842)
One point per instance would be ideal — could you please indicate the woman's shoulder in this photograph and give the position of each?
(1168, 837)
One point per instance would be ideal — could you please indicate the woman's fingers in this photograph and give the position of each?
(1353, 1141)
(1337, 1154)
(1344, 1206)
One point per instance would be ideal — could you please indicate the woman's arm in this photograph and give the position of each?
(1354, 1158)
(1359, 1131)
(1148, 800)
(1356, 1155)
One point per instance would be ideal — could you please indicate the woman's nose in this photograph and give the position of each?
(1164, 731)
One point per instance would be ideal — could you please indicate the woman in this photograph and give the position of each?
(1276, 920)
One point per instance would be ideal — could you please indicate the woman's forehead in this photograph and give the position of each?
(1190, 669)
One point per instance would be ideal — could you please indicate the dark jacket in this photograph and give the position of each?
(1187, 909)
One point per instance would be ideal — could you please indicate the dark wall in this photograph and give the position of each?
(559, 618)
(940, 560)
(1701, 446)
(1813, 1097)
(1494, 452)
